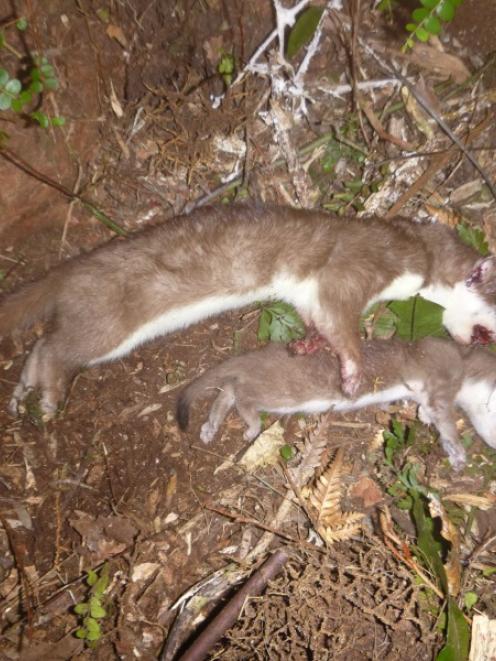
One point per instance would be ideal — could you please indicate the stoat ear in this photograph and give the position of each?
(483, 274)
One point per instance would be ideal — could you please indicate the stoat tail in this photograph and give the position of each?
(32, 302)
(206, 385)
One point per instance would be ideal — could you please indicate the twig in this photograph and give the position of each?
(20, 163)
(390, 69)
(246, 520)
(231, 611)
(438, 162)
(301, 500)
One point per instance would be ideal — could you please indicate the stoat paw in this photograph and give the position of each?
(251, 433)
(207, 433)
(424, 416)
(456, 455)
(351, 378)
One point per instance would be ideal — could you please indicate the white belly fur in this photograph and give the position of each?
(303, 294)
(400, 391)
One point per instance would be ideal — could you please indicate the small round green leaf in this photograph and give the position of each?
(35, 74)
(81, 609)
(93, 628)
(92, 577)
(5, 101)
(22, 24)
(419, 14)
(97, 610)
(81, 633)
(58, 121)
(422, 34)
(51, 83)
(432, 25)
(47, 70)
(41, 118)
(445, 10)
(470, 599)
(430, 4)
(36, 87)
(13, 86)
(287, 452)
(4, 77)
(410, 27)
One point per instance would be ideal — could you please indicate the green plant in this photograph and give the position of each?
(417, 318)
(427, 19)
(279, 322)
(434, 551)
(17, 95)
(396, 440)
(474, 237)
(303, 30)
(226, 68)
(92, 610)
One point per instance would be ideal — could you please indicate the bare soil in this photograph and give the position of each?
(112, 479)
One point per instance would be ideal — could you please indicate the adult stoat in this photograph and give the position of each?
(103, 304)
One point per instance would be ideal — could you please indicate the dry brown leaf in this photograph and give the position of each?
(444, 216)
(452, 566)
(115, 32)
(422, 120)
(171, 489)
(265, 450)
(481, 502)
(444, 64)
(366, 489)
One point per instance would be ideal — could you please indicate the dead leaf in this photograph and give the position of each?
(422, 120)
(149, 409)
(213, 49)
(144, 571)
(442, 63)
(104, 536)
(465, 191)
(443, 215)
(481, 502)
(368, 491)
(115, 103)
(115, 32)
(452, 566)
(171, 489)
(265, 450)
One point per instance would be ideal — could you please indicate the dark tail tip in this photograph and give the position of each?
(182, 412)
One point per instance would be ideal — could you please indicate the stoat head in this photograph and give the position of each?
(470, 306)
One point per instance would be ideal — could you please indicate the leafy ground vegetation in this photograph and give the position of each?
(119, 535)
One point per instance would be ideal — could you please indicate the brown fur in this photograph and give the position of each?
(430, 372)
(98, 300)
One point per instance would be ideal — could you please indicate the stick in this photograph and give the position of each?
(231, 611)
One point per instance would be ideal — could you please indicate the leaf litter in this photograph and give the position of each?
(338, 600)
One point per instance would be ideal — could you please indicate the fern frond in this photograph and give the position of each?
(331, 534)
(325, 496)
(311, 456)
